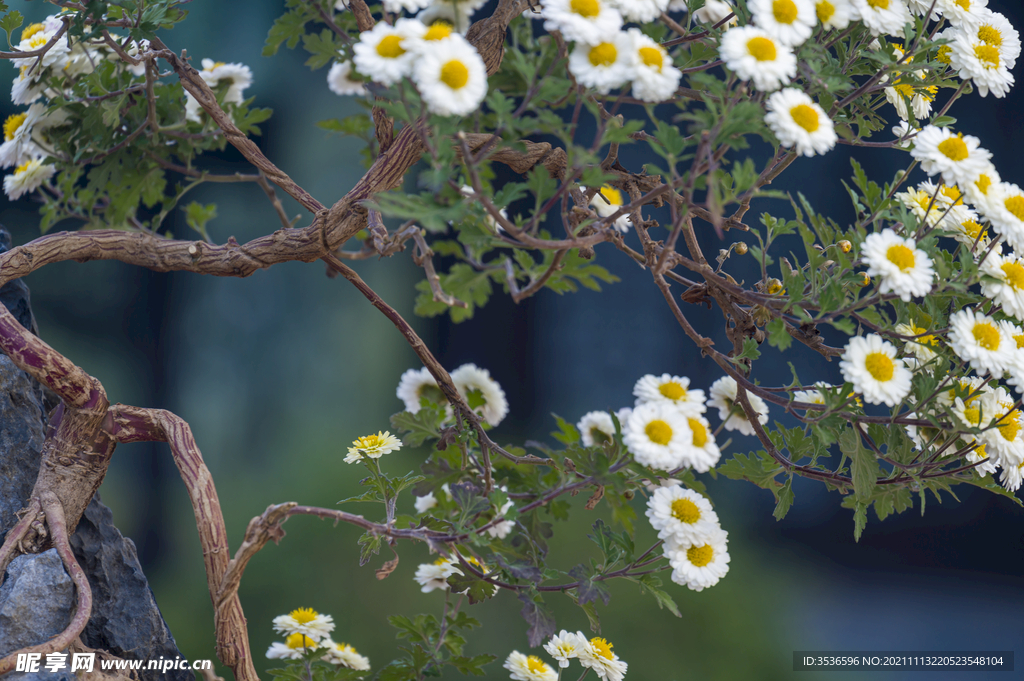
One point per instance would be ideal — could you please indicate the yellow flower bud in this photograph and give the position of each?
(845, 246)
(740, 248)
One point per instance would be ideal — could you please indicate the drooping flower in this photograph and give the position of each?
(597, 654)
(723, 395)
(431, 576)
(339, 82)
(475, 384)
(27, 177)
(345, 655)
(596, 427)
(606, 202)
(565, 646)
(417, 387)
(529, 668)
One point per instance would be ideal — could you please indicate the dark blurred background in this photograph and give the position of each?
(277, 373)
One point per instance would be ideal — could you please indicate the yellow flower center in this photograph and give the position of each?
(368, 442)
(672, 390)
(586, 8)
(390, 47)
(659, 432)
(438, 31)
(954, 148)
(943, 54)
(685, 511)
(12, 124)
(924, 340)
(901, 256)
(700, 433)
(784, 11)
(296, 641)
(454, 74)
(612, 195)
(972, 415)
(653, 57)
(880, 366)
(604, 54)
(23, 167)
(878, 4)
(218, 64)
(1009, 427)
(983, 183)
(30, 31)
(700, 555)
(987, 335)
(762, 49)
(964, 4)
(973, 229)
(1015, 204)
(825, 10)
(905, 89)
(536, 665)
(806, 117)
(1019, 339)
(990, 35)
(987, 55)
(952, 193)
(602, 648)
(1014, 273)
(441, 561)
(303, 615)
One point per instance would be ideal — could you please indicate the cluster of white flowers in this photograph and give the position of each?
(447, 70)
(27, 142)
(695, 543)
(483, 394)
(594, 654)
(307, 631)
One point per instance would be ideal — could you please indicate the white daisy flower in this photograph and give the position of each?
(501, 529)
(304, 621)
(416, 387)
(834, 13)
(27, 177)
(18, 146)
(565, 646)
(979, 191)
(585, 21)
(655, 79)
(922, 7)
(682, 514)
(723, 396)
(699, 565)
(372, 447)
(27, 87)
(702, 453)
(596, 427)
(1004, 442)
(134, 49)
(966, 388)
(713, 12)
(905, 269)
(455, 12)
(607, 202)
(382, 53)
(425, 503)
(1011, 477)
(345, 655)
(962, 13)
(920, 97)
(958, 158)
(656, 434)
(338, 80)
(623, 415)
(34, 37)
(431, 576)
(881, 16)
(604, 66)
(904, 133)
(980, 62)
(294, 647)
(451, 77)
(809, 396)
(237, 77)
(972, 233)
(674, 389)
(981, 340)
(597, 654)
(1008, 289)
(923, 204)
(640, 11)
(752, 54)
(870, 364)
(921, 348)
(474, 383)
(791, 22)
(995, 30)
(411, 6)
(798, 121)
(1005, 211)
(529, 668)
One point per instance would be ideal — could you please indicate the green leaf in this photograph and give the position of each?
(477, 589)
(10, 24)
(541, 621)
(778, 337)
(357, 124)
(289, 27)
(419, 427)
(750, 351)
(472, 665)
(649, 584)
(864, 465)
(198, 215)
(567, 433)
(784, 499)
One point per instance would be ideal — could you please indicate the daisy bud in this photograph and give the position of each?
(845, 246)
(740, 247)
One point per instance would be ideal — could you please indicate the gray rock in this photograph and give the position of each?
(36, 601)
(125, 618)
(21, 439)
